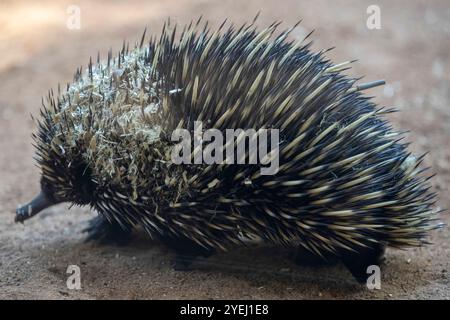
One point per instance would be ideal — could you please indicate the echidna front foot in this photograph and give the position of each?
(105, 232)
(357, 263)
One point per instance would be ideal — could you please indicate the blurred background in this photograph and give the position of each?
(41, 44)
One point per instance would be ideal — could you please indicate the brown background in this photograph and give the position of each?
(411, 51)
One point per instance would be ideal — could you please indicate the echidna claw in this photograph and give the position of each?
(357, 263)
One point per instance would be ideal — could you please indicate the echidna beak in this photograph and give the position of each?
(39, 203)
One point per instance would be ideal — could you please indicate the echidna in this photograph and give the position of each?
(346, 185)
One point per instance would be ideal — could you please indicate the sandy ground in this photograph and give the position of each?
(411, 51)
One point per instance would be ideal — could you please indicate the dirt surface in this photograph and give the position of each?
(411, 51)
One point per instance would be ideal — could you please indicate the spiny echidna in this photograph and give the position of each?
(346, 186)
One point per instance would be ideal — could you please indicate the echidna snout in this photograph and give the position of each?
(59, 184)
(39, 203)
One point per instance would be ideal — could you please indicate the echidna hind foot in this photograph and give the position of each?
(187, 251)
(358, 262)
(105, 232)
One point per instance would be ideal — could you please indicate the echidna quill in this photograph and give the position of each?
(346, 186)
